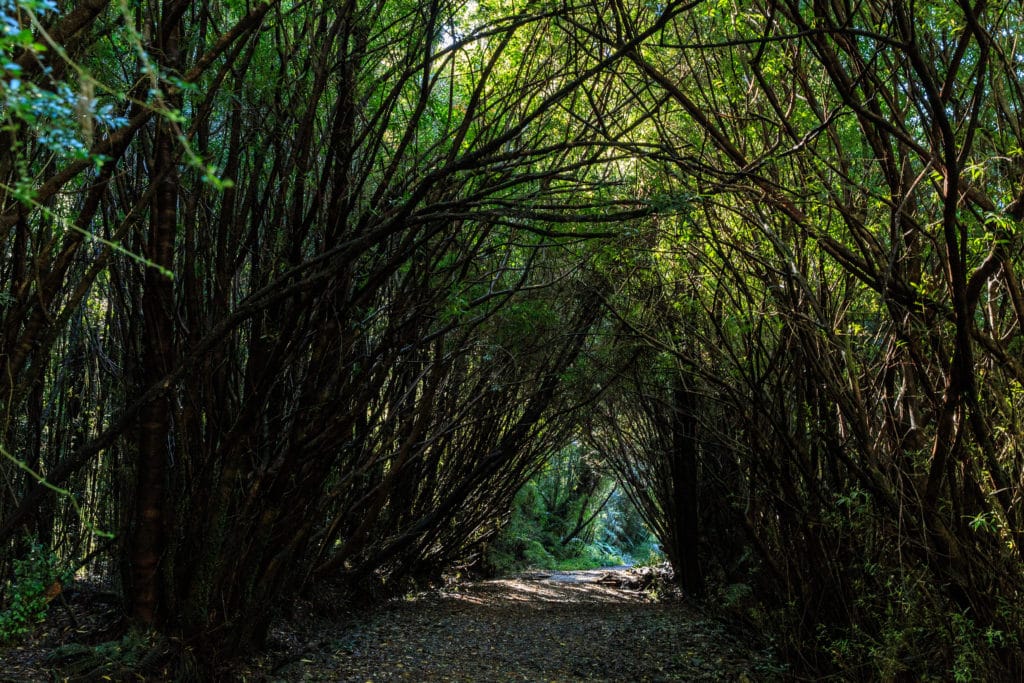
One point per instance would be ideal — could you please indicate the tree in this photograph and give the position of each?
(854, 254)
(339, 346)
(297, 294)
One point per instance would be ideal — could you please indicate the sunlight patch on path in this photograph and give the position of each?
(542, 626)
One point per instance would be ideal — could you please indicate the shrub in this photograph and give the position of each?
(35, 575)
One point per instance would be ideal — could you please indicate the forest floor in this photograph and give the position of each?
(595, 625)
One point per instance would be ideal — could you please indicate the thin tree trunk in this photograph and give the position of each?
(158, 359)
(684, 477)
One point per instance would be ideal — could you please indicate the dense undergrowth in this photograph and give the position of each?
(37, 579)
(572, 514)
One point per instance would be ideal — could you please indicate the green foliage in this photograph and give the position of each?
(552, 505)
(793, 245)
(906, 625)
(64, 118)
(139, 655)
(735, 593)
(27, 594)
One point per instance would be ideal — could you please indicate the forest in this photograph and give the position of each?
(300, 297)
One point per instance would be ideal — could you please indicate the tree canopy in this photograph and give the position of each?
(300, 294)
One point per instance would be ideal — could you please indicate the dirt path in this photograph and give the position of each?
(562, 626)
(541, 626)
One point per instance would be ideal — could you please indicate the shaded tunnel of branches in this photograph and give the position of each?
(298, 295)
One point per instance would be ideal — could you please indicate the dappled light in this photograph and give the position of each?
(573, 513)
(537, 590)
(567, 626)
(603, 321)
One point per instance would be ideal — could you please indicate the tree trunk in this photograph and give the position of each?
(158, 359)
(684, 484)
